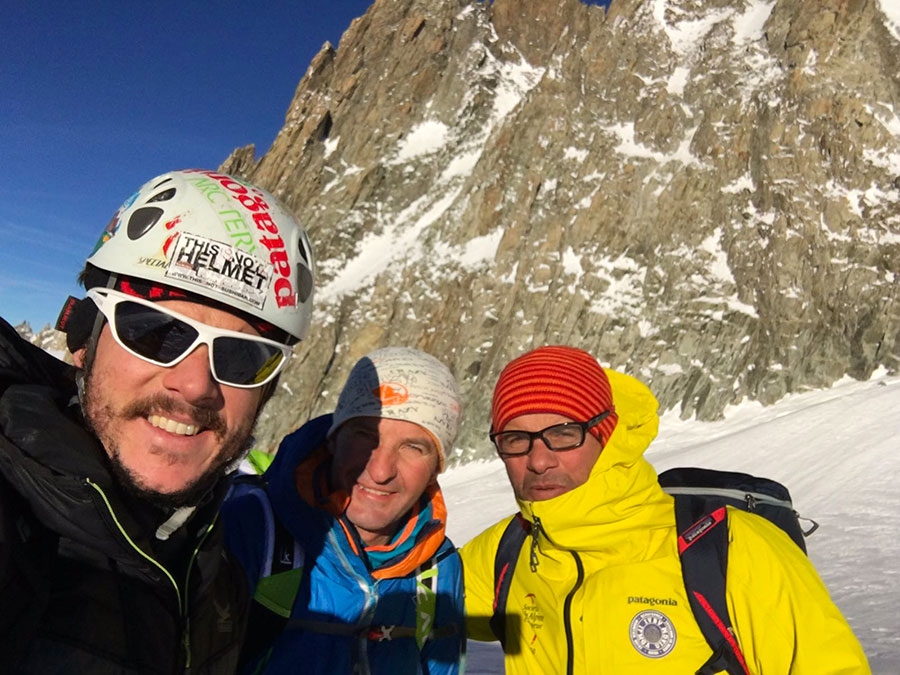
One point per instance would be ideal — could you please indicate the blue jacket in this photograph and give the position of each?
(345, 618)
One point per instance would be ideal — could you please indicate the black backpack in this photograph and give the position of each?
(700, 515)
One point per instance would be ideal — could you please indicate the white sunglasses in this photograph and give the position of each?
(162, 337)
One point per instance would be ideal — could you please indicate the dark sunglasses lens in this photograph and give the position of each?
(244, 362)
(151, 333)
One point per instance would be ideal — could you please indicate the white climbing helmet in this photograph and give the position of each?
(219, 237)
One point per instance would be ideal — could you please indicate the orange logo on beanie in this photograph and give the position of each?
(391, 393)
(406, 384)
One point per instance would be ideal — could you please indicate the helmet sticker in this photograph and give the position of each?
(652, 634)
(113, 225)
(252, 200)
(217, 236)
(108, 232)
(221, 267)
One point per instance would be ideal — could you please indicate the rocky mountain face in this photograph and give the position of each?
(703, 194)
(47, 339)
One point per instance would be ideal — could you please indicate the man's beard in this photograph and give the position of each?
(100, 417)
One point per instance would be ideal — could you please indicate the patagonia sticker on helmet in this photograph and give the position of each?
(652, 633)
(220, 267)
(269, 236)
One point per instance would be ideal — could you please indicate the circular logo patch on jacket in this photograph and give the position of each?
(652, 633)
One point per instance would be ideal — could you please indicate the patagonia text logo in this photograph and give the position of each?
(699, 529)
(652, 602)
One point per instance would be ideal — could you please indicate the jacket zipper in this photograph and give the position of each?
(361, 664)
(567, 615)
(536, 531)
(182, 603)
(186, 616)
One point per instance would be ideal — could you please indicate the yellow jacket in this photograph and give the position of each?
(607, 595)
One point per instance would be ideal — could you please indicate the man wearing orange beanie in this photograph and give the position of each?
(598, 586)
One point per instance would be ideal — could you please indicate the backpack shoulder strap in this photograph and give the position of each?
(426, 600)
(703, 548)
(277, 587)
(508, 548)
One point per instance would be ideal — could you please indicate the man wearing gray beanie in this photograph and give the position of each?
(343, 541)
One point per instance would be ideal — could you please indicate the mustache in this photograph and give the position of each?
(205, 418)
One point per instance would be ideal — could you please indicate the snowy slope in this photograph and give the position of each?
(837, 451)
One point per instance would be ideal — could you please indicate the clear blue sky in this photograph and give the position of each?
(98, 97)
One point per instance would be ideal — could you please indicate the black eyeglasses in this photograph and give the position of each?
(162, 337)
(559, 437)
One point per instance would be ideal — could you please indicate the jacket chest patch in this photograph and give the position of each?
(652, 633)
(533, 614)
(532, 621)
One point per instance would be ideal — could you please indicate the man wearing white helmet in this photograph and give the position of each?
(344, 542)
(111, 473)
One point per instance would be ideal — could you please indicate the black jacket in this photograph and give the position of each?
(85, 585)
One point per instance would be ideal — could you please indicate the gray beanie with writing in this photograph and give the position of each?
(403, 383)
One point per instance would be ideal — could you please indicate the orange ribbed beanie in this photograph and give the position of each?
(556, 379)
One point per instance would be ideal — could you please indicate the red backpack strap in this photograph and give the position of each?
(508, 549)
(703, 547)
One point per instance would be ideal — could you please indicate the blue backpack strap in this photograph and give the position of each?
(277, 587)
(703, 548)
(508, 548)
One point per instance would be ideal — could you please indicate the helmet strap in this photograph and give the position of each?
(90, 347)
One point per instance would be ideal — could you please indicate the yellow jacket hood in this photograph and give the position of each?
(621, 495)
